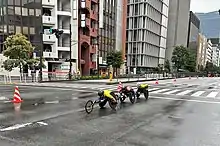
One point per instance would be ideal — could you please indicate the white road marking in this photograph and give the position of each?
(212, 94)
(151, 89)
(198, 93)
(159, 91)
(184, 92)
(3, 98)
(42, 123)
(187, 100)
(74, 98)
(52, 102)
(171, 92)
(14, 127)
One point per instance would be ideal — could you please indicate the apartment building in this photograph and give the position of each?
(34, 17)
(201, 51)
(146, 34)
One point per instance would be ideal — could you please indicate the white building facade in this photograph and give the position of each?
(59, 14)
(146, 34)
(208, 56)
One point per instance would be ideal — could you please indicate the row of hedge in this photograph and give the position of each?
(93, 77)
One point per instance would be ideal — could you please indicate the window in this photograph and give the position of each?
(17, 10)
(25, 30)
(10, 2)
(11, 29)
(24, 12)
(17, 2)
(18, 29)
(31, 12)
(38, 12)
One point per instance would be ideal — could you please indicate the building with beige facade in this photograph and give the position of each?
(201, 51)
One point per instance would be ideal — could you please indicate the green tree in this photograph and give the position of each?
(167, 66)
(180, 53)
(115, 59)
(190, 60)
(18, 50)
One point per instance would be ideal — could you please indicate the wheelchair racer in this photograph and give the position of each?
(141, 88)
(105, 95)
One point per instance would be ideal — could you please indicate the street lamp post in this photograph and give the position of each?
(70, 70)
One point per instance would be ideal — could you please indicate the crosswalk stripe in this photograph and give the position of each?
(152, 89)
(212, 94)
(159, 91)
(184, 92)
(171, 92)
(198, 93)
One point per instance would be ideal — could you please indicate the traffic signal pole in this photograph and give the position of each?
(70, 71)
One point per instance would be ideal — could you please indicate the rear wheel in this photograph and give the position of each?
(89, 106)
(112, 104)
(132, 97)
(146, 94)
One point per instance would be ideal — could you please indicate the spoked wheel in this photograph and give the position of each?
(89, 106)
(132, 98)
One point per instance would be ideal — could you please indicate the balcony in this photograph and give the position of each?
(93, 32)
(62, 48)
(49, 55)
(87, 22)
(84, 38)
(93, 49)
(48, 20)
(94, 15)
(64, 11)
(86, 4)
(95, 1)
(50, 39)
(92, 65)
(48, 2)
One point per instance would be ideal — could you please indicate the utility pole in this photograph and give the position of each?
(70, 71)
(41, 50)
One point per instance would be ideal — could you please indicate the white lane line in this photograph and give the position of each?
(52, 102)
(171, 92)
(14, 127)
(212, 94)
(3, 98)
(159, 91)
(152, 89)
(198, 93)
(184, 92)
(42, 123)
(187, 100)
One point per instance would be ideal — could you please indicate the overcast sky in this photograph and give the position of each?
(205, 5)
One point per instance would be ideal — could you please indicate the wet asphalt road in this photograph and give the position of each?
(163, 120)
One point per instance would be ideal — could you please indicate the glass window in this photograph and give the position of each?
(24, 2)
(31, 12)
(32, 30)
(17, 2)
(25, 30)
(24, 12)
(10, 2)
(18, 29)
(17, 10)
(11, 29)
(10, 10)
(38, 12)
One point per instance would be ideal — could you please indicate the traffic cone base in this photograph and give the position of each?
(17, 97)
(156, 82)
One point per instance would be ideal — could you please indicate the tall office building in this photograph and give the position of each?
(178, 23)
(146, 34)
(107, 31)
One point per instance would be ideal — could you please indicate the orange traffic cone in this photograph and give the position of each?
(157, 82)
(17, 97)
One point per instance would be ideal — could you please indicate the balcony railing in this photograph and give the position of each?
(48, 20)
